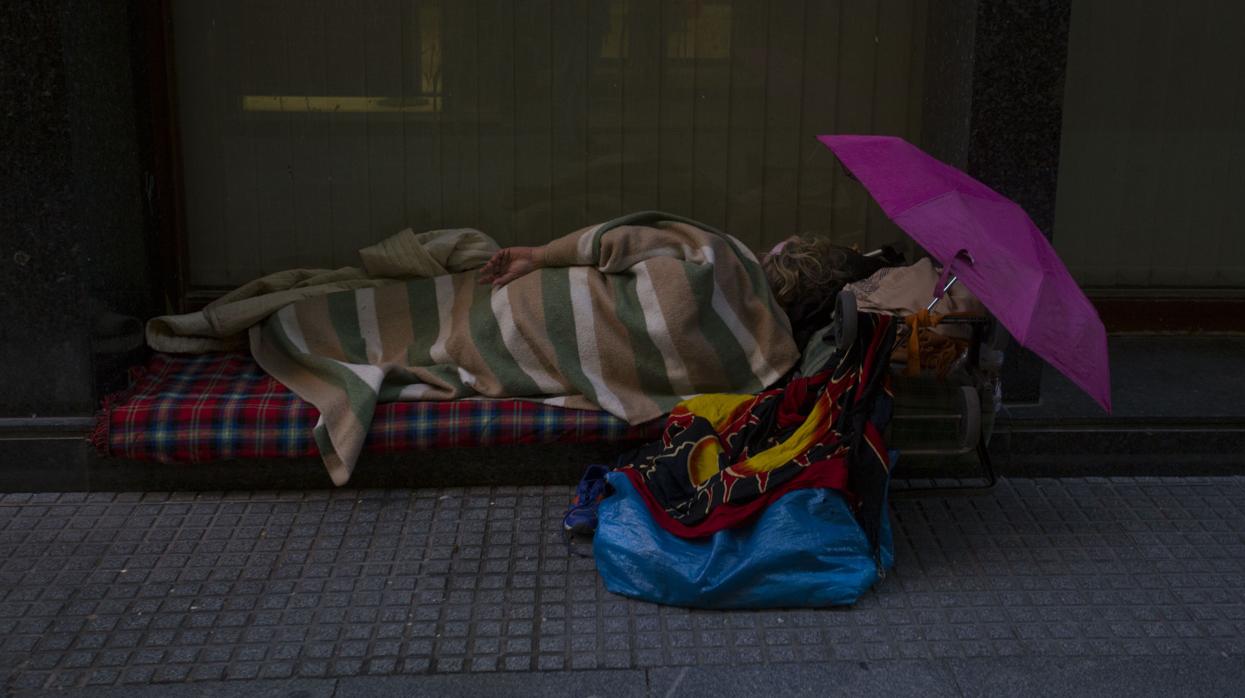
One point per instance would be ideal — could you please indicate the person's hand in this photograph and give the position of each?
(508, 264)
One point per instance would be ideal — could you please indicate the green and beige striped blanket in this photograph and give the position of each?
(630, 316)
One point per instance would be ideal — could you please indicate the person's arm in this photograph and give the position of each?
(616, 247)
(612, 250)
(509, 263)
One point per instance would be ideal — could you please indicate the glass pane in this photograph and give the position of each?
(313, 128)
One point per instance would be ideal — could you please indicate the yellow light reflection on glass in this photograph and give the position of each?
(340, 104)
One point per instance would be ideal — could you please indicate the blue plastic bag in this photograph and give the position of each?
(804, 550)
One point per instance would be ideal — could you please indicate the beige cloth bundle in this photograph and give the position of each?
(904, 291)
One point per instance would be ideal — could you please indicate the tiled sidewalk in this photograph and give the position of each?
(112, 589)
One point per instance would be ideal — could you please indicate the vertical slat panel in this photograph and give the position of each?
(710, 135)
(345, 36)
(496, 28)
(745, 183)
(674, 171)
(230, 140)
(785, 67)
(460, 115)
(270, 133)
(641, 95)
(1152, 143)
(817, 163)
(389, 152)
(569, 115)
(606, 25)
(915, 44)
(893, 66)
(413, 41)
(857, 56)
(311, 207)
(1178, 148)
(1089, 148)
(1114, 55)
(533, 121)
(1145, 165)
(1183, 235)
(1206, 158)
(1225, 251)
(201, 111)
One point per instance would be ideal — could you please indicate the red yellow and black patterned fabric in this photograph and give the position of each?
(189, 409)
(722, 458)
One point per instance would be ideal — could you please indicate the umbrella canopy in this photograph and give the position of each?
(989, 242)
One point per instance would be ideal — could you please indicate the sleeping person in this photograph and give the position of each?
(630, 316)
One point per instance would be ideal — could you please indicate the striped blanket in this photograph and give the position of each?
(629, 316)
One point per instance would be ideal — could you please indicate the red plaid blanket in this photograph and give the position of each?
(219, 406)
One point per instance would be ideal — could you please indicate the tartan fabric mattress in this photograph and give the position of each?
(182, 408)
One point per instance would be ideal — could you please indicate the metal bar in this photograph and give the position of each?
(44, 425)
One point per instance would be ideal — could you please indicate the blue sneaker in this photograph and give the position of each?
(581, 515)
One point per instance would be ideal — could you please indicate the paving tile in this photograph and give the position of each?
(168, 588)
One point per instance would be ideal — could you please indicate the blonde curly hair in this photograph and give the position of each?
(808, 267)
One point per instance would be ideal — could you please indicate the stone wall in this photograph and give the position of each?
(74, 237)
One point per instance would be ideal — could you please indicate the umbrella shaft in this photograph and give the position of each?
(950, 283)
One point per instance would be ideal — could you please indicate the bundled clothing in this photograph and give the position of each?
(722, 459)
(630, 316)
(922, 346)
(754, 501)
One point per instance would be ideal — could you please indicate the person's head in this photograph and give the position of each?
(809, 267)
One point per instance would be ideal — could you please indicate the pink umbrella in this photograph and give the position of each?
(991, 245)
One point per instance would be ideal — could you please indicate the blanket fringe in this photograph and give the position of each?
(99, 436)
